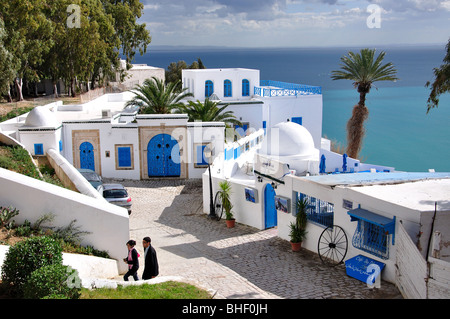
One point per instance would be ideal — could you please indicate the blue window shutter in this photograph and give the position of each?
(209, 88)
(245, 87)
(60, 146)
(124, 156)
(297, 120)
(38, 149)
(227, 88)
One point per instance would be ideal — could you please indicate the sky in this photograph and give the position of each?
(296, 23)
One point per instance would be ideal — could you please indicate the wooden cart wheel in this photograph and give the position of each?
(333, 245)
(218, 207)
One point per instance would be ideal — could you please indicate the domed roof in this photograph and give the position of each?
(288, 139)
(41, 117)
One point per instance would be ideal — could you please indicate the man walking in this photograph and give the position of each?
(151, 269)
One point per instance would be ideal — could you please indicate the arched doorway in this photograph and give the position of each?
(163, 156)
(270, 212)
(87, 156)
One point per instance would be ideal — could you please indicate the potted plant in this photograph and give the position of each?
(225, 193)
(298, 229)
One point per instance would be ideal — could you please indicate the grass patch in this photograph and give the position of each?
(17, 159)
(15, 112)
(165, 290)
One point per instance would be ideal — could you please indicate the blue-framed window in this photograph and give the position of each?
(227, 91)
(124, 157)
(245, 87)
(372, 232)
(371, 238)
(297, 119)
(38, 149)
(209, 88)
(200, 158)
(264, 125)
(318, 211)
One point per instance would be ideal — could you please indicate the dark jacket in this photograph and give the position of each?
(134, 259)
(151, 268)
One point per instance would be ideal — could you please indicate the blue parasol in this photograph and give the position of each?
(344, 162)
(322, 164)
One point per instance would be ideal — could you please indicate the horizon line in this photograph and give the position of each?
(221, 47)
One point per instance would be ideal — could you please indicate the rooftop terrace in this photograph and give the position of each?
(270, 88)
(359, 179)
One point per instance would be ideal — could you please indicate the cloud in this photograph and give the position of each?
(412, 5)
(275, 22)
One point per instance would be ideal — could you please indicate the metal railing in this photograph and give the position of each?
(276, 88)
(318, 211)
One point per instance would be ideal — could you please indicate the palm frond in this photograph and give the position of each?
(155, 97)
(364, 68)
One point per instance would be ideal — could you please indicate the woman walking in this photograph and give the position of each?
(132, 261)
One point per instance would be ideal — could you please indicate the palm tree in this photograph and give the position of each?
(363, 69)
(154, 97)
(208, 111)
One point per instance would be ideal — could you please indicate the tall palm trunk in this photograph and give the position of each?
(355, 125)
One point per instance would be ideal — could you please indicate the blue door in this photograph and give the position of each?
(270, 212)
(87, 156)
(163, 156)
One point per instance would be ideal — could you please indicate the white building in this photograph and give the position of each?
(258, 104)
(383, 217)
(137, 74)
(101, 136)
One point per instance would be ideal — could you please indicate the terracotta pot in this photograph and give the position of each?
(230, 223)
(296, 246)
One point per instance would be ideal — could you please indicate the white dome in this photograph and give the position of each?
(288, 139)
(41, 117)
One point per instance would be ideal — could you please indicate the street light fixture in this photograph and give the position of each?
(207, 152)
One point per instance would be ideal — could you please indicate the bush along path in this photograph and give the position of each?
(33, 269)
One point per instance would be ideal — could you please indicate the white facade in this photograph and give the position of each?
(194, 80)
(117, 141)
(107, 224)
(258, 104)
(137, 74)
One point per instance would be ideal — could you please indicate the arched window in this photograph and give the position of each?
(227, 88)
(209, 88)
(245, 87)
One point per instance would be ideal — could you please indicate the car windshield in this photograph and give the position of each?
(91, 176)
(115, 193)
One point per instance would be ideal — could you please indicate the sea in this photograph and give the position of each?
(399, 132)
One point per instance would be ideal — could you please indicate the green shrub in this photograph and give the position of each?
(6, 214)
(24, 230)
(53, 282)
(27, 256)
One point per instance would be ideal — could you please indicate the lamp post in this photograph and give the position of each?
(208, 154)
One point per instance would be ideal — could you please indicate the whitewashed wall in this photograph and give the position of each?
(212, 133)
(309, 107)
(250, 113)
(412, 267)
(195, 80)
(107, 223)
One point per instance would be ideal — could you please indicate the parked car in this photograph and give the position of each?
(92, 177)
(116, 194)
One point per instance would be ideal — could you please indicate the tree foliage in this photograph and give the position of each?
(174, 70)
(441, 82)
(208, 111)
(38, 41)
